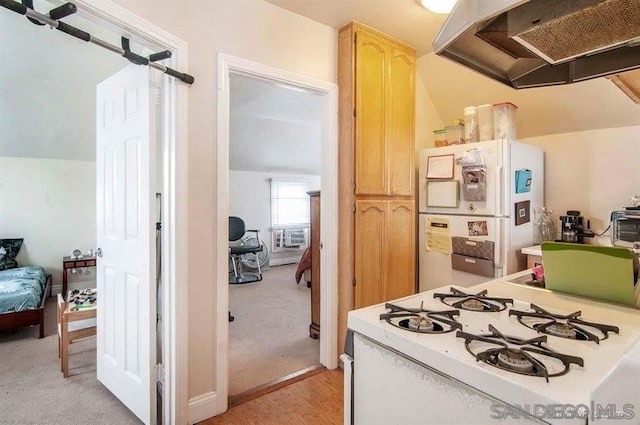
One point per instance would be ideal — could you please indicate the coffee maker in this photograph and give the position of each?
(573, 227)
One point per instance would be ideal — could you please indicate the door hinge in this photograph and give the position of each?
(158, 95)
(355, 37)
(354, 208)
(353, 281)
(159, 372)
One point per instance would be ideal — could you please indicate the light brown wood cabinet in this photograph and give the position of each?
(385, 235)
(401, 249)
(376, 245)
(384, 116)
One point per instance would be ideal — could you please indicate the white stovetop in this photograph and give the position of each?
(448, 355)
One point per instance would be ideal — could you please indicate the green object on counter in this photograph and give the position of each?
(599, 272)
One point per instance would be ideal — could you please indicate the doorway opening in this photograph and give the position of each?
(233, 69)
(274, 163)
(60, 161)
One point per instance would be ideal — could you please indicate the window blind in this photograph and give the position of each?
(289, 202)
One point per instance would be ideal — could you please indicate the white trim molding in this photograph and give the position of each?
(203, 407)
(174, 188)
(227, 65)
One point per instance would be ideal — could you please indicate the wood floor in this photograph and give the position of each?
(314, 400)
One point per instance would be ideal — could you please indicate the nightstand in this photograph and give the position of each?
(72, 263)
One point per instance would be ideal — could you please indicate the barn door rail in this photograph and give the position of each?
(53, 20)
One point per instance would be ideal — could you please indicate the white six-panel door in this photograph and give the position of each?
(126, 337)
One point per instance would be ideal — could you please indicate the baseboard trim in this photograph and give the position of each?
(275, 385)
(203, 407)
(283, 261)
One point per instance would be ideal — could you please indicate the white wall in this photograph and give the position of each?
(47, 89)
(427, 117)
(250, 199)
(595, 172)
(249, 29)
(52, 205)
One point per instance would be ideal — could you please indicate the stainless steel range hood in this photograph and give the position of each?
(533, 43)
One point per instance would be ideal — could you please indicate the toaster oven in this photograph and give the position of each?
(625, 228)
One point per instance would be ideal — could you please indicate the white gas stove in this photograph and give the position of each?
(524, 358)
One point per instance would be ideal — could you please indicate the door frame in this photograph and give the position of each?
(227, 65)
(174, 200)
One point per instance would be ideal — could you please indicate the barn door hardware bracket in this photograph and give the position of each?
(53, 20)
(57, 13)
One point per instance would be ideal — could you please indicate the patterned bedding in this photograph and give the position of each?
(21, 288)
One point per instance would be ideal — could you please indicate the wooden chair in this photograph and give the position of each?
(72, 326)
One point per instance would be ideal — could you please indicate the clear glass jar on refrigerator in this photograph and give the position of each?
(485, 122)
(455, 134)
(504, 121)
(440, 138)
(471, 124)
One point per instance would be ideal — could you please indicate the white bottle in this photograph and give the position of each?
(471, 124)
(485, 122)
(504, 120)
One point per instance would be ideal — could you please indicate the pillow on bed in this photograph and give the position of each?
(11, 248)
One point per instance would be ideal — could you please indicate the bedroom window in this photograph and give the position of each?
(289, 203)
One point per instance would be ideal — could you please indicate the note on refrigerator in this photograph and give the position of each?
(437, 235)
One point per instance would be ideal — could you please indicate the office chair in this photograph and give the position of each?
(236, 251)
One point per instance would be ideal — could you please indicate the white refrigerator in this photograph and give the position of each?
(476, 210)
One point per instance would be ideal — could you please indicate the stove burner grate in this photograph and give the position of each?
(473, 302)
(514, 359)
(568, 326)
(563, 330)
(524, 356)
(419, 323)
(421, 320)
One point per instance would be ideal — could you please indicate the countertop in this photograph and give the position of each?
(532, 250)
(514, 286)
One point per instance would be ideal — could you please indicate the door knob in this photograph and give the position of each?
(99, 252)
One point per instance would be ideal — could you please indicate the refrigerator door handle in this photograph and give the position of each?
(499, 189)
(500, 230)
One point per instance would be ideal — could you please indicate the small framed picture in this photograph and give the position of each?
(477, 228)
(440, 167)
(522, 212)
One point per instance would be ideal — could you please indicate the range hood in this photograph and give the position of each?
(534, 43)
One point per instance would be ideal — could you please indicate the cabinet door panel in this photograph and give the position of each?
(400, 121)
(401, 236)
(370, 150)
(370, 261)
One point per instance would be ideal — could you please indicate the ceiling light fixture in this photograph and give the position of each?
(438, 6)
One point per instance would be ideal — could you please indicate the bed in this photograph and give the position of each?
(23, 292)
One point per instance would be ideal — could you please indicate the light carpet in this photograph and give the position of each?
(33, 391)
(269, 338)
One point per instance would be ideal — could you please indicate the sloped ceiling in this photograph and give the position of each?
(47, 86)
(273, 127)
(588, 105)
(560, 109)
(405, 20)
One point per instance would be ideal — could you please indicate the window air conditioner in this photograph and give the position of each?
(290, 239)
